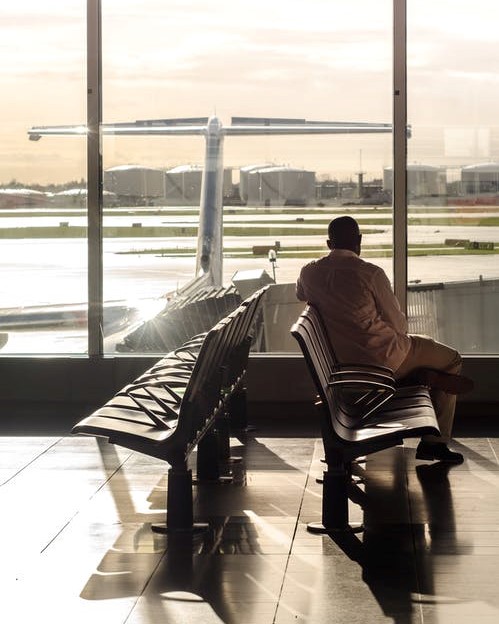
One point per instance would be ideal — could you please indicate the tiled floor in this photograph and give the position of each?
(77, 545)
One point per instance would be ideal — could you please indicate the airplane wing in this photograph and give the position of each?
(36, 133)
(248, 126)
(131, 129)
(248, 130)
(199, 126)
(274, 121)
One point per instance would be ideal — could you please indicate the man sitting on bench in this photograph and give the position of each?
(366, 326)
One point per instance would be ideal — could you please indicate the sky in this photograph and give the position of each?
(324, 59)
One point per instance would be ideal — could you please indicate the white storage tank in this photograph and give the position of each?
(137, 183)
(480, 178)
(78, 197)
(22, 197)
(244, 173)
(422, 180)
(183, 185)
(281, 186)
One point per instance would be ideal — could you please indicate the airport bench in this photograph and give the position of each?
(362, 412)
(183, 403)
(185, 315)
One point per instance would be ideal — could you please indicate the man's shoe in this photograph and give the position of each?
(448, 382)
(438, 451)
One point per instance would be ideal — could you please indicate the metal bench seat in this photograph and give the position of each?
(170, 410)
(362, 412)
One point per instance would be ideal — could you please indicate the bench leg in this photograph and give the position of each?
(208, 466)
(238, 411)
(222, 426)
(179, 507)
(336, 481)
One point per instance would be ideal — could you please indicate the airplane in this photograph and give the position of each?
(210, 237)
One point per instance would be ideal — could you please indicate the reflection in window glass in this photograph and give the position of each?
(43, 256)
(453, 173)
(182, 64)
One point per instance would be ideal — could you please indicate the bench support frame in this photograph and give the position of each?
(179, 507)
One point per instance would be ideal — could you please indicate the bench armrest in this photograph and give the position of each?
(374, 368)
(362, 375)
(361, 392)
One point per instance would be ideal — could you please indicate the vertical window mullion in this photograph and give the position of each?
(400, 151)
(94, 178)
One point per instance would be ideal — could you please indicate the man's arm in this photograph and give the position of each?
(300, 294)
(387, 303)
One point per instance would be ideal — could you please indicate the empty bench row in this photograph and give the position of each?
(181, 403)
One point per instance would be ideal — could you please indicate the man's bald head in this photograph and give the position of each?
(344, 233)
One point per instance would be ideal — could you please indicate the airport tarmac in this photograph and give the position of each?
(54, 271)
(37, 272)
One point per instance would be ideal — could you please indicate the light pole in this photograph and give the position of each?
(273, 260)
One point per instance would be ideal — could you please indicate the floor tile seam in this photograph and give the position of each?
(36, 458)
(295, 530)
(413, 539)
(489, 441)
(145, 585)
(86, 502)
(287, 553)
(476, 456)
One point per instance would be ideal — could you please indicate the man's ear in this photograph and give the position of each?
(329, 244)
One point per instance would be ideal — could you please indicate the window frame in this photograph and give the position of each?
(95, 174)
